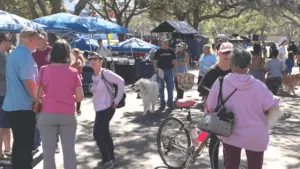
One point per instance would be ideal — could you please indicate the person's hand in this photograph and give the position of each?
(114, 105)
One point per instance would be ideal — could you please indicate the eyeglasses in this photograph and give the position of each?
(35, 33)
(226, 53)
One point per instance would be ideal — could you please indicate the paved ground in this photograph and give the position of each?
(134, 135)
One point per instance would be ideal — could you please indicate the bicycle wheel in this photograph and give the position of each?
(173, 143)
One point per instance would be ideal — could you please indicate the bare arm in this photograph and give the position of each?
(174, 62)
(39, 92)
(155, 65)
(187, 59)
(280, 56)
(79, 94)
(30, 86)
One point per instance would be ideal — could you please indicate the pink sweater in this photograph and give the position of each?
(249, 104)
(59, 83)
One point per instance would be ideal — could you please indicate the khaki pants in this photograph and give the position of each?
(64, 125)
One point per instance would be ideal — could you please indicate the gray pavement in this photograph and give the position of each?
(134, 135)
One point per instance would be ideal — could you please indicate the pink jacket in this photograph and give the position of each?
(249, 104)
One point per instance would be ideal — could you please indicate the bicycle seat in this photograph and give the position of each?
(185, 103)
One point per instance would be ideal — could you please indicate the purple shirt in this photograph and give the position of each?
(102, 94)
(249, 104)
(41, 57)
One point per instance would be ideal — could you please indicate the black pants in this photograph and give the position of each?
(102, 134)
(78, 105)
(273, 84)
(180, 92)
(22, 124)
(199, 79)
(214, 155)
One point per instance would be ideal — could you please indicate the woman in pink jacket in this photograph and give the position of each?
(249, 104)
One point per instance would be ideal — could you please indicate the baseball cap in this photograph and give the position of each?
(226, 46)
(5, 36)
(282, 40)
(30, 32)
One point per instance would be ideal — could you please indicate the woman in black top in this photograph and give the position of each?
(222, 68)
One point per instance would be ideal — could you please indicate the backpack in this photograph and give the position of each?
(115, 92)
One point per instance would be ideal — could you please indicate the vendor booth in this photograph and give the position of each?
(182, 31)
(130, 66)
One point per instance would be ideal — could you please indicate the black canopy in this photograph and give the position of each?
(175, 26)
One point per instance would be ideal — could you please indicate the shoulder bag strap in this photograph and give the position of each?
(106, 84)
(220, 97)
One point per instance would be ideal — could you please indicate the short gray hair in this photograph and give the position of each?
(240, 58)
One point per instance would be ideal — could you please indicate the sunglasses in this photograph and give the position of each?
(226, 53)
(94, 59)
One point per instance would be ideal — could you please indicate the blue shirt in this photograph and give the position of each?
(205, 62)
(289, 64)
(181, 65)
(19, 66)
(275, 68)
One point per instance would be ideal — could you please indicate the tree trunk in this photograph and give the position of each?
(42, 6)
(180, 17)
(31, 5)
(262, 37)
(80, 6)
(56, 6)
(196, 19)
(2, 5)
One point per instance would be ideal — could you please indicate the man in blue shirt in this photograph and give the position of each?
(21, 73)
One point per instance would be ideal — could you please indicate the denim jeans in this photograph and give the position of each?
(169, 79)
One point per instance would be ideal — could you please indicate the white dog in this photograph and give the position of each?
(148, 91)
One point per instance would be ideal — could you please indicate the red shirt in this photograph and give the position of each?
(41, 57)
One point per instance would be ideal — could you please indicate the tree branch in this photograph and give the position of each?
(218, 15)
(97, 11)
(295, 22)
(80, 6)
(126, 6)
(42, 6)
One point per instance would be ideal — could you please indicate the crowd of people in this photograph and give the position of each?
(28, 74)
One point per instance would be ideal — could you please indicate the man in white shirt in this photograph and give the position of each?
(104, 52)
(282, 48)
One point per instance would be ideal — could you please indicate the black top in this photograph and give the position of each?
(209, 78)
(164, 58)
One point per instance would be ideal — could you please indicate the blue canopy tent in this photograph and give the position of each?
(133, 45)
(97, 23)
(14, 23)
(65, 20)
(104, 36)
(86, 44)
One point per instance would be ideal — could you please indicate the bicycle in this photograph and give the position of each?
(190, 152)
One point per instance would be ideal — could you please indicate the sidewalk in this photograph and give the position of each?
(134, 136)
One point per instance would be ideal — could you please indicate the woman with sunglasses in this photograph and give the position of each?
(222, 68)
(105, 106)
(78, 63)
